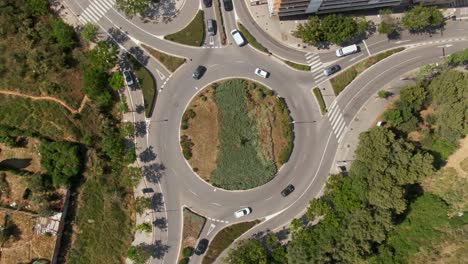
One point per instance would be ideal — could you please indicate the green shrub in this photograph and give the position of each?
(186, 144)
(187, 252)
(193, 34)
(320, 101)
(251, 39)
(298, 66)
(184, 261)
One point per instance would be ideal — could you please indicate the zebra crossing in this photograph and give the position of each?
(316, 66)
(337, 121)
(96, 10)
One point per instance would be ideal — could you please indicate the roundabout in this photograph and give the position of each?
(236, 134)
(315, 143)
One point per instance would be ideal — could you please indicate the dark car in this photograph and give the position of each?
(228, 6)
(331, 70)
(288, 190)
(208, 3)
(199, 72)
(128, 78)
(202, 246)
(147, 190)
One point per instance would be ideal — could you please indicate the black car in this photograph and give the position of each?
(202, 246)
(331, 70)
(208, 3)
(199, 72)
(228, 6)
(128, 78)
(288, 190)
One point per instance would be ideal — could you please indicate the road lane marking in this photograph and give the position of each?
(212, 226)
(367, 48)
(402, 41)
(356, 57)
(193, 192)
(217, 204)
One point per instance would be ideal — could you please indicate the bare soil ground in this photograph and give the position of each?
(29, 154)
(203, 131)
(451, 182)
(193, 225)
(26, 245)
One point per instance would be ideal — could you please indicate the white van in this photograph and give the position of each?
(347, 50)
(238, 38)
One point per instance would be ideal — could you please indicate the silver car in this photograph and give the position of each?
(243, 212)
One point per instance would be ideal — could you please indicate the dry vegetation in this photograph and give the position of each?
(193, 225)
(204, 132)
(26, 245)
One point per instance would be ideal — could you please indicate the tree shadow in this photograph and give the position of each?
(140, 109)
(147, 155)
(161, 223)
(140, 129)
(139, 54)
(162, 11)
(157, 202)
(15, 163)
(159, 249)
(118, 35)
(153, 172)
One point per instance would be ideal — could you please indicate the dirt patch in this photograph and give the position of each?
(457, 159)
(22, 158)
(26, 245)
(203, 131)
(193, 225)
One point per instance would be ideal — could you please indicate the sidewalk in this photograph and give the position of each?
(282, 31)
(363, 121)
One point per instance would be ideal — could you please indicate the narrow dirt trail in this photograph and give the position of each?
(49, 98)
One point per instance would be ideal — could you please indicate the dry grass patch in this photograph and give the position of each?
(451, 182)
(27, 245)
(203, 131)
(29, 154)
(193, 225)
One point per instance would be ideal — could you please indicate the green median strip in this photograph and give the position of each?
(342, 80)
(320, 101)
(147, 84)
(193, 34)
(222, 32)
(297, 66)
(224, 238)
(172, 63)
(251, 39)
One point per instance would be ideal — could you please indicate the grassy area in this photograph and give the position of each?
(172, 63)
(342, 80)
(193, 34)
(101, 217)
(147, 84)
(193, 225)
(222, 33)
(251, 39)
(224, 238)
(320, 101)
(239, 165)
(297, 66)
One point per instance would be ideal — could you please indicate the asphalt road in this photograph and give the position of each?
(314, 146)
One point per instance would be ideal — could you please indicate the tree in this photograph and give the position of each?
(388, 24)
(61, 160)
(63, 34)
(422, 18)
(144, 227)
(383, 94)
(103, 56)
(89, 32)
(116, 81)
(38, 7)
(311, 31)
(139, 254)
(8, 230)
(317, 207)
(247, 252)
(339, 28)
(133, 7)
(393, 117)
(95, 85)
(141, 204)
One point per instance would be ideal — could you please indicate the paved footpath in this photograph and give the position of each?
(363, 121)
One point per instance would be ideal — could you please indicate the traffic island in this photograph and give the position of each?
(236, 134)
(193, 34)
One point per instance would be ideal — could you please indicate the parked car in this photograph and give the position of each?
(342, 170)
(211, 27)
(228, 6)
(243, 212)
(208, 3)
(238, 38)
(199, 72)
(331, 69)
(128, 78)
(381, 123)
(288, 190)
(262, 73)
(147, 190)
(202, 246)
(347, 50)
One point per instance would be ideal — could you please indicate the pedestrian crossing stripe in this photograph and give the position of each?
(96, 10)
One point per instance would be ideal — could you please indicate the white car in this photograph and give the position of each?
(262, 73)
(242, 212)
